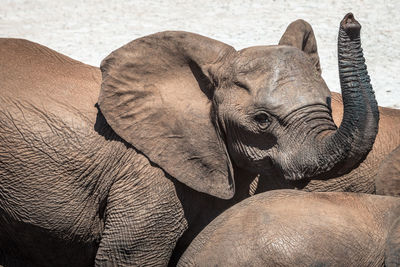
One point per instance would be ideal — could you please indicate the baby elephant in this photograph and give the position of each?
(294, 228)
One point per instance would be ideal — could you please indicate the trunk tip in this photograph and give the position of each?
(350, 25)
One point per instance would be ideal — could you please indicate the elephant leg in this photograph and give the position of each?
(143, 221)
(392, 251)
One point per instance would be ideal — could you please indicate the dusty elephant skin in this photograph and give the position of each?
(297, 228)
(126, 166)
(387, 179)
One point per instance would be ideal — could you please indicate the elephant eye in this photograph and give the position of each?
(262, 120)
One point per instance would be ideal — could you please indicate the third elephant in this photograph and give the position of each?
(297, 228)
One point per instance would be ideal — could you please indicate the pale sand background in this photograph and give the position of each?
(89, 30)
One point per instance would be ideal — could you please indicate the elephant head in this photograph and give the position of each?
(196, 107)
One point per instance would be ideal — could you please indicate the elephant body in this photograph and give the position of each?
(66, 164)
(81, 183)
(72, 191)
(297, 228)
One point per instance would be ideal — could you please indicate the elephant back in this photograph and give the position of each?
(42, 76)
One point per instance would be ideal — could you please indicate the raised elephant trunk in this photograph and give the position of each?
(361, 115)
(351, 143)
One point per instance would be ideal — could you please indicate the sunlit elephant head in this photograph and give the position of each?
(199, 109)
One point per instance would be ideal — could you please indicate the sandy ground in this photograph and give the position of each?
(89, 30)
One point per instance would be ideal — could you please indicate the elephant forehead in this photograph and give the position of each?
(280, 78)
(266, 58)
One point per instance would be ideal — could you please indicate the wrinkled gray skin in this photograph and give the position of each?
(179, 132)
(387, 179)
(296, 228)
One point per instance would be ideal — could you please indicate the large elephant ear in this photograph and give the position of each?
(301, 35)
(156, 93)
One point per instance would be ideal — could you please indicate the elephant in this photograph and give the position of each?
(387, 179)
(297, 228)
(361, 178)
(126, 164)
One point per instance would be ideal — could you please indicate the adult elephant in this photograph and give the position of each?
(297, 228)
(181, 126)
